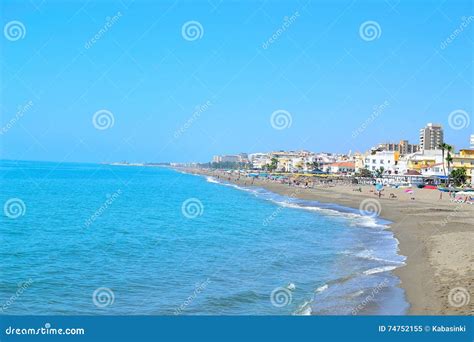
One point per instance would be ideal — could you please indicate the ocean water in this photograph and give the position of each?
(91, 239)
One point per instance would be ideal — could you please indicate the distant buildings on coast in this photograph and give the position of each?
(430, 158)
(239, 158)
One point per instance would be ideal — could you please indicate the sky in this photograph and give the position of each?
(158, 81)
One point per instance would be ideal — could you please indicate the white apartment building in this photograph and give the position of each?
(259, 160)
(386, 159)
(345, 167)
(226, 158)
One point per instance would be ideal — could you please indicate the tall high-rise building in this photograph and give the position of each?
(472, 141)
(431, 137)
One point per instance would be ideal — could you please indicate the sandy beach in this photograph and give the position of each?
(436, 236)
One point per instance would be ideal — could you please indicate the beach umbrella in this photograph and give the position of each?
(378, 187)
(409, 191)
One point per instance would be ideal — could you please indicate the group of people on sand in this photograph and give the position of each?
(312, 182)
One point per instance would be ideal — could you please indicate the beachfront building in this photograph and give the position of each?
(431, 137)
(286, 164)
(259, 160)
(434, 170)
(427, 163)
(322, 159)
(465, 158)
(243, 158)
(388, 160)
(359, 161)
(226, 159)
(292, 161)
(231, 158)
(345, 168)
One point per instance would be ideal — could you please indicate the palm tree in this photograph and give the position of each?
(443, 148)
(274, 164)
(459, 176)
(379, 172)
(449, 160)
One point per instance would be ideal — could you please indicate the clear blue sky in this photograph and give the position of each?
(150, 78)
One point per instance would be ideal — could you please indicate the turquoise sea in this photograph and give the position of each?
(92, 239)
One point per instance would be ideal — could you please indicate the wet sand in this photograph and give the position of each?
(436, 235)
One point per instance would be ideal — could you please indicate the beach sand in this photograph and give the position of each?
(436, 235)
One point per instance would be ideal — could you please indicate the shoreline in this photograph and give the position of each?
(435, 235)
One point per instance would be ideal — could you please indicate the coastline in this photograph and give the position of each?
(435, 235)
